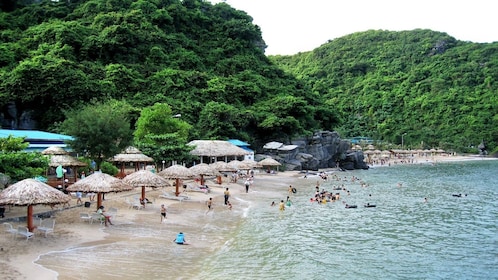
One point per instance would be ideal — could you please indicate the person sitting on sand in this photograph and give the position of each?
(107, 218)
(180, 239)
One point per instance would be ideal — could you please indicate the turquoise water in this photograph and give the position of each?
(403, 237)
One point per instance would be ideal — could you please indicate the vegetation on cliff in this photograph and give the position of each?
(207, 63)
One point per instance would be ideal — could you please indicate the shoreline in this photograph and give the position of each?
(19, 257)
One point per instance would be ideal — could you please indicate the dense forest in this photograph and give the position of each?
(432, 89)
(208, 63)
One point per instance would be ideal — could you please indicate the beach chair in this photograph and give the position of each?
(47, 226)
(9, 229)
(24, 232)
(96, 217)
(85, 217)
(173, 197)
(113, 212)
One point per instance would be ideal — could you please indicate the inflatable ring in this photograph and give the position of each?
(294, 190)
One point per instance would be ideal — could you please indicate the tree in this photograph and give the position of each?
(161, 135)
(16, 163)
(101, 130)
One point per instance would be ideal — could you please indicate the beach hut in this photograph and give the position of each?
(131, 155)
(216, 149)
(29, 192)
(145, 178)
(60, 157)
(268, 162)
(177, 172)
(99, 183)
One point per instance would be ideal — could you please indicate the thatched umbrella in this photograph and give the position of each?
(251, 163)
(145, 178)
(237, 164)
(202, 169)
(176, 172)
(269, 162)
(131, 155)
(100, 183)
(54, 150)
(29, 192)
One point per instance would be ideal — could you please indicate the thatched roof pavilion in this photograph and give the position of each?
(130, 155)
(216, 148)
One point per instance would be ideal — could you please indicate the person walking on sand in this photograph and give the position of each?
(209, 204)
(163, 213)
(247, 183)
(227, 196)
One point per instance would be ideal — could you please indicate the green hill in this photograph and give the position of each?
(439, 91)
(206, 61)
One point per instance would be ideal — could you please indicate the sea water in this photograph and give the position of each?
(418, 230)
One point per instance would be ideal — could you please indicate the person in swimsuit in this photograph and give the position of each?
(163, 212)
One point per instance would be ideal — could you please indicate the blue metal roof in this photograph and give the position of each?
(238, 142)
(34, 135)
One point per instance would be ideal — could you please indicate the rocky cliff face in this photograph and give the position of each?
(324, 149)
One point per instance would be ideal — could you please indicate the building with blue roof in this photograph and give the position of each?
(38, 140)
(245, 146)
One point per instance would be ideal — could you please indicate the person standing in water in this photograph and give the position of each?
(281, 206)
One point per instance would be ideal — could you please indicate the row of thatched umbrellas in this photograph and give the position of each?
(29, 192)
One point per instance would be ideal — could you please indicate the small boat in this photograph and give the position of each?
(370, 205)
(351, 206)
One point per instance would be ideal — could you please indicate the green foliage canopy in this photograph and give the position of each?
(101, 130)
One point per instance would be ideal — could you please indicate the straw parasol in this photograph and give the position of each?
(221, 166)
(29, 192)
(251, 163)
(145, 178)
(54, 150)
(176, 172)
(100, 183)
(202, 169)
(269, 162)
(238, 165)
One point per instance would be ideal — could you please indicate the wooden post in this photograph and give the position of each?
(143, 193)
(31, 227)
(99, 200)
(177, 192)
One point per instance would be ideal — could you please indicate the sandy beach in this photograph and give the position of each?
(19, 256)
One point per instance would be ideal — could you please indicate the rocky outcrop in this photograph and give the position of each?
(325, 149)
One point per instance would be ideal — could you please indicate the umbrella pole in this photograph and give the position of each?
(143, 193)
(202, 180)
(99, 199)
(177, 192)
(31, 227)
